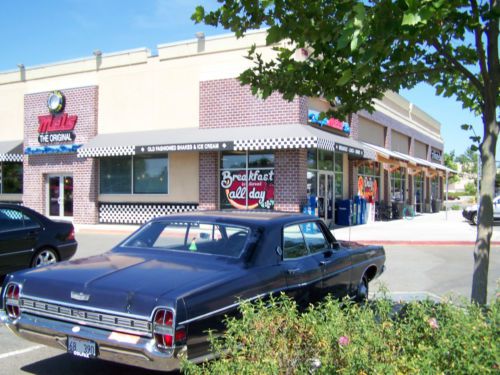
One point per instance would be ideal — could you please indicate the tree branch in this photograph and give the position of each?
(473, 79)
(479, 44)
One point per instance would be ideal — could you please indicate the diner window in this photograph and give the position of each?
(11, 178)
(134, 175)
(369, 181)
(398, 185)
(247, 180)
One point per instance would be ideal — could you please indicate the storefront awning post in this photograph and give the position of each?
(446, 204)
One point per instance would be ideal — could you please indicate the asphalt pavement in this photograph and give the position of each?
(433, 256)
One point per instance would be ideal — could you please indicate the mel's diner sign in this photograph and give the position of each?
(57, 127)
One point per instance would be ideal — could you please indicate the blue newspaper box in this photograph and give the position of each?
(344, 211)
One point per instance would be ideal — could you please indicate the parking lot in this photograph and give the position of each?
(439, 270)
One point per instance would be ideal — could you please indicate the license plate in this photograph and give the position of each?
(82, 348)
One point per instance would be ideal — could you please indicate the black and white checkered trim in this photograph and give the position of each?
(16, 158)
(275, 143)
(106, 151)
(135, 213)
(324, 144)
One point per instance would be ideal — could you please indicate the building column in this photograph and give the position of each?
(290, 189)
(209, 181)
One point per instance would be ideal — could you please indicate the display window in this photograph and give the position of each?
(398, 185)
(134, 175)
(369, 181)
(11, 178)
(246, 180)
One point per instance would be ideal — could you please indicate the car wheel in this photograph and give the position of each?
(44, 257)
(362, 292)
(473, 218)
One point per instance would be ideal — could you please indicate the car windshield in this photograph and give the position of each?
(191, 236)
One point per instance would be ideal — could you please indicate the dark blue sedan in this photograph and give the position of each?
(153, 297)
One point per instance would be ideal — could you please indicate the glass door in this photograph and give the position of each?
(418, 182)
(326, 201)
(60, 196)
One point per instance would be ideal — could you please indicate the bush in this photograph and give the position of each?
(345, 338)
(470, 188)
(456, 207)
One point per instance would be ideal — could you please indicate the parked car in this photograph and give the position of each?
(29, 239)
(470, 212)
(154, 296)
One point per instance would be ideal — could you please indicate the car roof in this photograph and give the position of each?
(242, 217)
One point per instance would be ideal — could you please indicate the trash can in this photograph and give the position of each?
(344, 211)
(397, 210)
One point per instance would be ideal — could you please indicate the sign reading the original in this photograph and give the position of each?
(339, 147)
(436, 155)
(257, 184)
(56, 127)
(202, 146)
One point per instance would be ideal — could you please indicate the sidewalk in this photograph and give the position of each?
(424, 229)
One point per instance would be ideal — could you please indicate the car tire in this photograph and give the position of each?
(362, 291)
(473, 218)
(44, 257)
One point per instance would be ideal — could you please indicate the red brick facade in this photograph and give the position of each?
(83, 103)
(291, 180)
(226, 103)
(209, 181)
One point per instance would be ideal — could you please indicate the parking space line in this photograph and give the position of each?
(22, 351)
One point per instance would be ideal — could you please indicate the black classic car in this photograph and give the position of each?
(29, 239)
(153, 297)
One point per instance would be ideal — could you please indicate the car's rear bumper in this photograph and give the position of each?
(121, 348)
(67, 250)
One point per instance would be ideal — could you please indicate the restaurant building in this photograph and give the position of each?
(124, 137)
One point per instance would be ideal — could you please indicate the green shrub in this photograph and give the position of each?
(470, 188)
(456, 207)
(345, 338)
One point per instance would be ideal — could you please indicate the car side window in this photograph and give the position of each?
(11, 219)
(314, 237)
(294, 245)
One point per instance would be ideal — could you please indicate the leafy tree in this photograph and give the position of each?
(358, 49)
(449, 161)
(470, 188)
(469, 160)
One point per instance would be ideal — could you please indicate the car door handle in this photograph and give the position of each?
(293, 271)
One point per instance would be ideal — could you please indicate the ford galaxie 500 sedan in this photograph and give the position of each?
(154, 296)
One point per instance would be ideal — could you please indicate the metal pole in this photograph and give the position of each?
(446, 204)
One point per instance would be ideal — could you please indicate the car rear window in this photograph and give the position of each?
(191, 236)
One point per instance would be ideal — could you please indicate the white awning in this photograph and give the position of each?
(11, 151)
(222, 139)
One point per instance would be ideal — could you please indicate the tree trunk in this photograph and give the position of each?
(485, 215)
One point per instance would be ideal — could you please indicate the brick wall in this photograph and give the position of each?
(354, 125)
(225, 103)
(291, 180)
(209, 181)
(82, 102)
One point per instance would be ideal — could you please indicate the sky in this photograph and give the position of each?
(36, 32)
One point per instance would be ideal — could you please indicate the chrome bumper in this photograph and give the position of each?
(142, 353)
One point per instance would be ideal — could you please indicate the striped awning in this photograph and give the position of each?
(223, 139)
(11, 151)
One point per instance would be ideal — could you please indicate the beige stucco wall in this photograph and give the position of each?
(183, 183)
(11, 113)
(400, 142)
(371, 132)
(420, 150)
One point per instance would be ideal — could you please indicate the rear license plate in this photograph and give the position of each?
(82, 348)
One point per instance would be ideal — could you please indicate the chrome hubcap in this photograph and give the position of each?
(44, 258)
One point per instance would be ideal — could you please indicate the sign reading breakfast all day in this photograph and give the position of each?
(257, 184)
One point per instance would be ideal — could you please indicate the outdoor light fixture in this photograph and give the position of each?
(97, 53)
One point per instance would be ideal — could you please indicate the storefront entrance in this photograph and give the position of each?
(326, 201)
(418, 181)
(60, 196)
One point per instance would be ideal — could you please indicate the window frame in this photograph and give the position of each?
(331, 242)
(132, 176)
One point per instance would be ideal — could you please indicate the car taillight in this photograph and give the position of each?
(71, 235)
(166, 336)
(12, 301)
